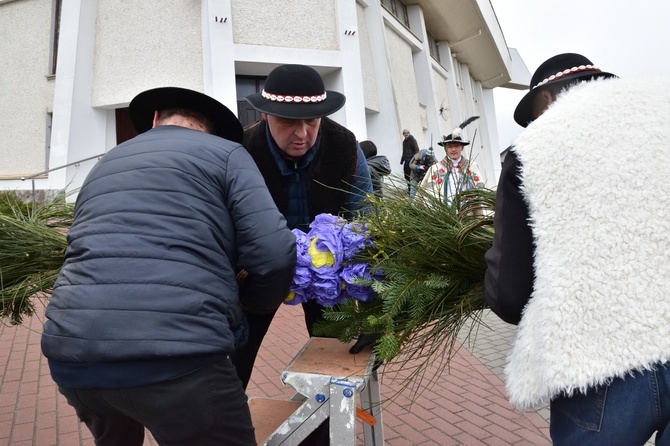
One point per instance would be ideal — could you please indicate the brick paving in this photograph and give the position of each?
(465, 405)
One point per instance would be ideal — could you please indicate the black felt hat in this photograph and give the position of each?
(142, 109)
(561, 70)
(452, 138)
(296, 92)
(456, 135)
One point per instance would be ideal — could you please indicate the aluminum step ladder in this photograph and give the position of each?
(329, 382)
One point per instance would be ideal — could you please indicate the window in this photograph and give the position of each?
(398, 9)
(247, 85)
(55, 32)
(432, 45)
(124, 127)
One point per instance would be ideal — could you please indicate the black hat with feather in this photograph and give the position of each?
(455, 135)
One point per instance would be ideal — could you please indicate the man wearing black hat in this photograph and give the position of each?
(579, 258)
(454, 173)
(145, 312)
(310, 163)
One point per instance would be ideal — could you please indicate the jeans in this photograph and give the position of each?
(412, 188)
(626, 412)
(206, 407)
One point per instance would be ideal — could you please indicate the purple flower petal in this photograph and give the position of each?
(298, 297)
(302, 245)
(329, 285)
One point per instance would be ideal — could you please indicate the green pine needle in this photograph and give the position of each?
(432, 259)
(430, 256)
(33, 243)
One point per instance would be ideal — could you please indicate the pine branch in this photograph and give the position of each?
(430, 257)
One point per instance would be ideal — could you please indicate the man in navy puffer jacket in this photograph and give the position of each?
(146, 309)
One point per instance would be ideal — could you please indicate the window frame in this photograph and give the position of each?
(56, 12)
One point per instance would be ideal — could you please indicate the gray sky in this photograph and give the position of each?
(625, 37)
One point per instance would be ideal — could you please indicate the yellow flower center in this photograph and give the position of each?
(320, 258)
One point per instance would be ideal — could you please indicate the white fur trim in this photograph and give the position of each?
(601, 301)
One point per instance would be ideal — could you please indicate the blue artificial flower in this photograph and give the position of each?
(351, 274)
(326, 290)
(296, 298)
(302, 245)
(325, 271)
(329, 239)
(354, 238)
(302, 278)
(327, 220)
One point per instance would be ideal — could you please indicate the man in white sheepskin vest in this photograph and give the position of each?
(580, 256)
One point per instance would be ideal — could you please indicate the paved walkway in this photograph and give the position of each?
(466, 404)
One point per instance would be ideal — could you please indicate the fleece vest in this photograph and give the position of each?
(329, 175)
(600, 306)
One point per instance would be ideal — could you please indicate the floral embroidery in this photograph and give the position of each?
(446, 172)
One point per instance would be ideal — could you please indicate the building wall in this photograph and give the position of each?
(401, 67)
(286, 23)
(26, 92)
(141, 45)
(370, 93)
(112, 50)
(440, 80)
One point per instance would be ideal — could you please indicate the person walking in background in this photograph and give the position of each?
(454, 173)
(379, 166)
(145, 312)
(579, 257)
(409, 148)
(419, 165)
(311, 165)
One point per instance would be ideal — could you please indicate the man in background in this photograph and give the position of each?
(454, 173)
(379, 166)
(409, 148)
(419, 165)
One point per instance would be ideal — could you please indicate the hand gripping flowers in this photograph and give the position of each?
(326, 270)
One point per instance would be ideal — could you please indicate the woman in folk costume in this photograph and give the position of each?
(455, 173)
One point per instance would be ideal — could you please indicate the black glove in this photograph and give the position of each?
(364, 341)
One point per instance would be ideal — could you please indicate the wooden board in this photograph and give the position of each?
(268, 414)
(326, 356)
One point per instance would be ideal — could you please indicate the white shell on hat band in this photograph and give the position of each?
(297, 99)
(567, 71)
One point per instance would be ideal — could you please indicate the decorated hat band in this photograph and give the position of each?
(298, 99)
(560, 74)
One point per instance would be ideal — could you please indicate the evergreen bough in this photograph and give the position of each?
(429, 261)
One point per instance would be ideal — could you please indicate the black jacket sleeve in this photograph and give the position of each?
(510, 274)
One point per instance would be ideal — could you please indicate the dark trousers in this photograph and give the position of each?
(245, 356)
(205, 407)
(407, 171)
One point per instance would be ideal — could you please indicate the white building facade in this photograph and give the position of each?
(70, 68)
